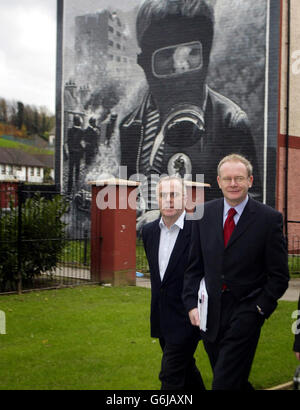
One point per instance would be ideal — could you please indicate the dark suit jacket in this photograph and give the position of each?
(75, 136)
(169, 318)
(253, 265)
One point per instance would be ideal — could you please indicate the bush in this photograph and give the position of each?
(42, 240)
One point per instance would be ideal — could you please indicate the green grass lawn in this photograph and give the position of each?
(4, 143)
(94, 337)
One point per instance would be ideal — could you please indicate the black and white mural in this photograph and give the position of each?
(169, 86)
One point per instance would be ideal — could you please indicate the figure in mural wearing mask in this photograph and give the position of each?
(181, 118)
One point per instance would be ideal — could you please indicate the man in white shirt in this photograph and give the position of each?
(166, 243)
(168, 236)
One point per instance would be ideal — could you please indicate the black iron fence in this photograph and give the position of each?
(141, 260)
(44, 240)
(294, 255)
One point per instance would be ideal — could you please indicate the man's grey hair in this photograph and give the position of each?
(236, 158)
(171, 178)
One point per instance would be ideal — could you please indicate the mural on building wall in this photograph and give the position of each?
(161, 87)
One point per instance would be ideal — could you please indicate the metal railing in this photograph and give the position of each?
(141, 260)
(294, 254)
(66, 252)
(54, 254)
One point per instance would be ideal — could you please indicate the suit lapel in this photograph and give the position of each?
(212, 225)
(155, 248)
(218, 223)
(246, 219)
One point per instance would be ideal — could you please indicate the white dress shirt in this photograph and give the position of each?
(239, 210)
(167, 241)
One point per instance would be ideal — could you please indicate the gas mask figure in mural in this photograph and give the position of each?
(181, 123)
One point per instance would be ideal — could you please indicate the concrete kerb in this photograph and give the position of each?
(284, 386)
(291, 294)
(293, 291)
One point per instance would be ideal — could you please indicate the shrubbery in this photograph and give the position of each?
(42, 239)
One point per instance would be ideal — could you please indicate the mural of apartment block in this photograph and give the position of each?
(102, 45)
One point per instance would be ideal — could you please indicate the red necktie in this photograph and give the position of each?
(229, 225)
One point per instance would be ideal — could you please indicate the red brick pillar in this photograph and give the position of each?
(113, 232)
(195, 194)
(8, 194)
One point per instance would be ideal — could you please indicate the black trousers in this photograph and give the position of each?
(232, 354)
(74, 165)
(178, 367)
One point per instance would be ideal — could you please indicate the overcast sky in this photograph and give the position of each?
(28, 46)
(28, 51)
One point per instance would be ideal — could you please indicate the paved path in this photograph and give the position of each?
(143, 282)
(291, 294)
(293, 291)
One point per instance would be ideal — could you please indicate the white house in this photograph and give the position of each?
(22, 166)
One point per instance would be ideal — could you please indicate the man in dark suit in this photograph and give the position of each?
(166, 243)
(245, 269)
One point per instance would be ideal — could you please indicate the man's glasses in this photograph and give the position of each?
(171, 195)
(237, 180)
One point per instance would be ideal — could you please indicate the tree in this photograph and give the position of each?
(37, 120)
(20, 115)
(3, 110)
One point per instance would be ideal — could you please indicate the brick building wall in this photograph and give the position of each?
(288, 191)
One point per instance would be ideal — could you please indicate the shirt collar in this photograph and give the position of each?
(179, 223)
(239, 208)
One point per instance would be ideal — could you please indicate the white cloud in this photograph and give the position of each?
(27, 56)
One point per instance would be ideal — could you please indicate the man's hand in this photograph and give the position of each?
(297, 355)
(194, 317)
